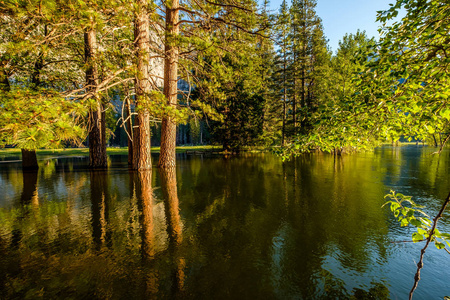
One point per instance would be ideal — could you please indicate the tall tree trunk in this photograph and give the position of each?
(141, 135)
(283, 130)
(294, 98)
(97, 132)
(303, 103)
(168, 126)
(303, 70)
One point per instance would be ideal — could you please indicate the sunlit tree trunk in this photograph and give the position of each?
(141, 134)
(168, 126)
(97, 127)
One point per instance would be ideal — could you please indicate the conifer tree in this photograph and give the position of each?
(31, 54)
(168, 126)
(309, 55)
(141, 132)
(272, 121)
(282, 62)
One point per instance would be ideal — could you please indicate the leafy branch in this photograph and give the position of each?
(407, 213)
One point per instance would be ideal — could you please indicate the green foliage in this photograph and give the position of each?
(396, 88)
(39, 119)
(345, 119)
(407, 212)
(414, 52)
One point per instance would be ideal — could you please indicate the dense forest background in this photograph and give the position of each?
(217, 72)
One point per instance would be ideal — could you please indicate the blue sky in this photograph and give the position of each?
(345, 16)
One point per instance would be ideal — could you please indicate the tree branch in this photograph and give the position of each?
(422, 252)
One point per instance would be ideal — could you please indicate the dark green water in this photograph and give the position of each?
(248, 227)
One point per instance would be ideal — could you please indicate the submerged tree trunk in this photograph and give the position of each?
(29, 160)
(141, 132)
(97, 132)
(168, 126)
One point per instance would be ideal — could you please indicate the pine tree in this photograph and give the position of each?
(282, 62)
(272, 121)
(30, 55)
(168, 126)
(141, 132)
(309, 56)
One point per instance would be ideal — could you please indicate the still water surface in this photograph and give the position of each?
(248, 227)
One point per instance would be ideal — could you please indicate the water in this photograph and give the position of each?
(248, 227)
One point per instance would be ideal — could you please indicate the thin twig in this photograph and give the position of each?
(422, 252)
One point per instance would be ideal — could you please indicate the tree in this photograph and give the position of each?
(97, 120)
(282, 63)
(30, 54)
(309, 56)
(141, 132)
(168, 126)
(272, 119)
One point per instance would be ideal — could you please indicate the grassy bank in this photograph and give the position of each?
(85, 151)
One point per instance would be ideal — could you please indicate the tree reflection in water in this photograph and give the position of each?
(144, 194)
(246, 227)
(100, 199)
(29, 201)
(174, 226)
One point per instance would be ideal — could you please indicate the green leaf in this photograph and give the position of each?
(416, 237)
(445, 235)
(421, 231)
(404, 222)
(439, 245)
(394, 206)
(415, 222)
(445, 113)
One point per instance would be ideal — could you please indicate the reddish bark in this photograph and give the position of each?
(168, 126)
